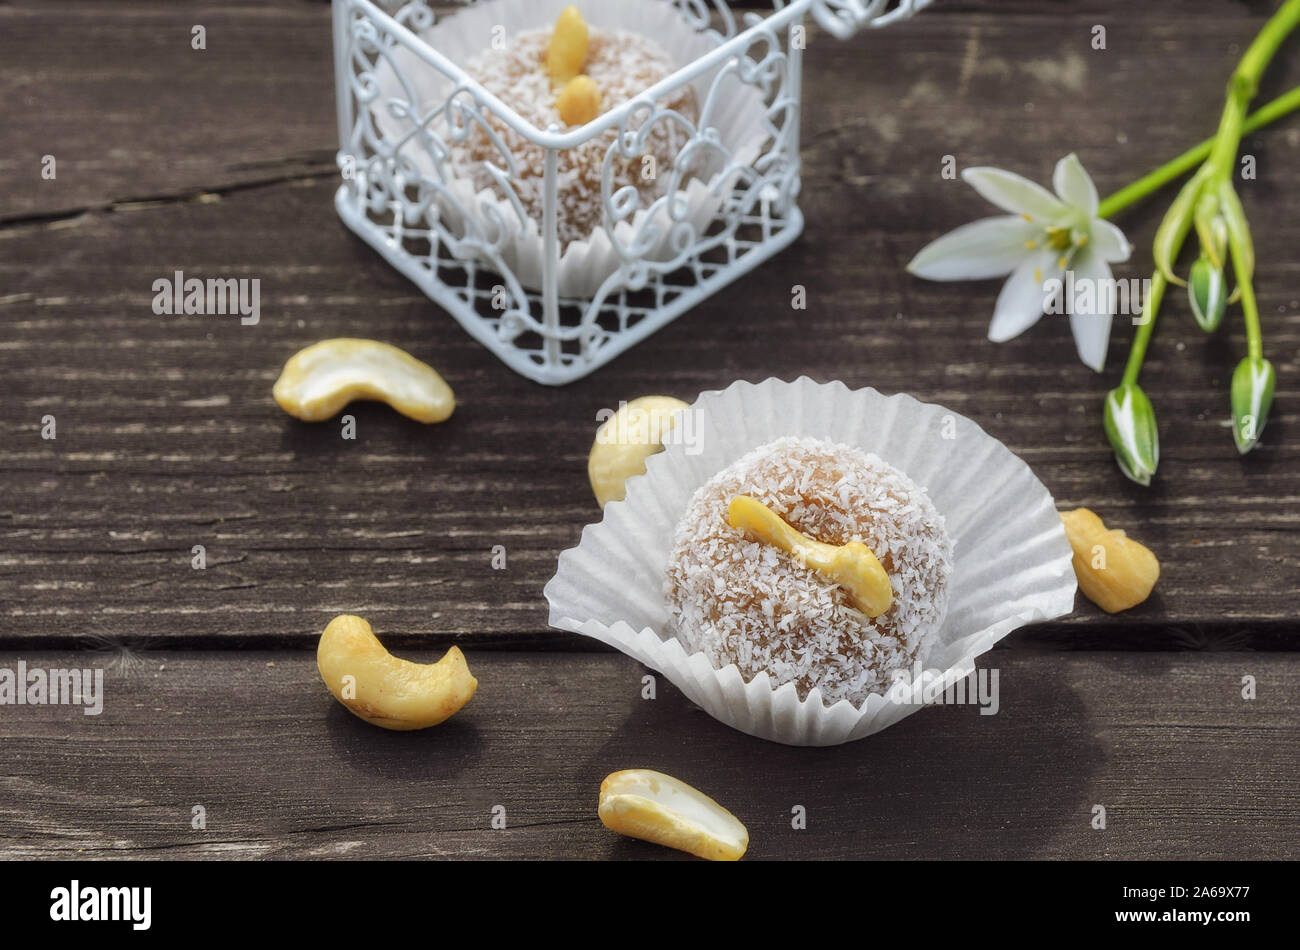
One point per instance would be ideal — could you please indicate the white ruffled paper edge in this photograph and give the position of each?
(1011, 559)
(584, 265)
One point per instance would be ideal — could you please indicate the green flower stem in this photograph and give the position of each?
(1241, 89)
(1249, 309)
(1262, 49)
(1150, 308)
(1244, 84)
(1175, 168)
(1228, 139)
(1220, 153)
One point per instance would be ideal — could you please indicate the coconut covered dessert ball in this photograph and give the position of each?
(776, 593)
(565, 76)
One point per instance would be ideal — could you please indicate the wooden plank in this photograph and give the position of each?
(1183, 765)
(131, 112)
(167, 437)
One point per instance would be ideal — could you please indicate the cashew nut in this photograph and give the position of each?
(655, 807)
(385, 690)
(625, 440)
(1114, 571)
(853, 566)
(567, 50)
(323, 378)
(579, 101)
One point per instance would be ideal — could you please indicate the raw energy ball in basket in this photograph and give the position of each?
(739, 598)
(564, 77)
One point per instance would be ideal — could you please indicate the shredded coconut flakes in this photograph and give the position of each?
(623, 65)
(745, 602)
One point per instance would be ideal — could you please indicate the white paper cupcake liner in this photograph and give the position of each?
(584, 265)
(1011, 559)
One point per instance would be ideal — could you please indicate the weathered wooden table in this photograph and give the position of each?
(220, 162)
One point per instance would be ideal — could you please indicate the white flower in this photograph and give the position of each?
(1043, 238)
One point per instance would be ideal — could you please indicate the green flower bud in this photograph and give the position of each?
(1234, 218)
(1131, 428)
(1207, 293)
(1252, 396)
(1211, 228)
(1176, 223)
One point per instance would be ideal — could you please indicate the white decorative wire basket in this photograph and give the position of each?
(555, 311)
